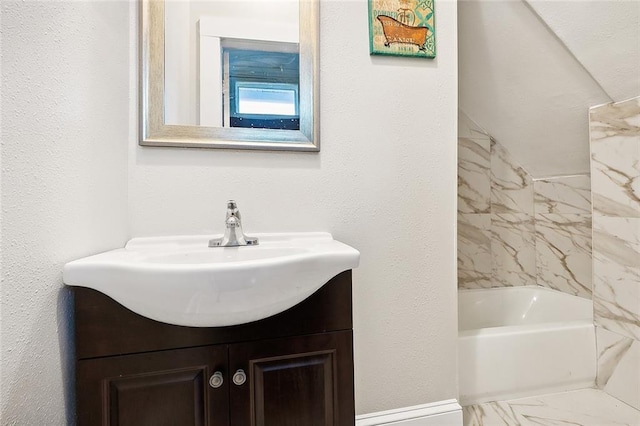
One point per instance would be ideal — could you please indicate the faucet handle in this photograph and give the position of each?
(232, 209)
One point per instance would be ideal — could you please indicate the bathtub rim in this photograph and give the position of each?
(524, 328)
(521, 287)
(550, 291)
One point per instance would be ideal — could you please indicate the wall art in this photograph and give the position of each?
(402, 28)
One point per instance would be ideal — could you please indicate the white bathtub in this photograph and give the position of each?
(521, 341)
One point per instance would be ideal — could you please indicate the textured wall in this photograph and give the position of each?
(513, 230)
(386, 174)
(606, 43)
(383, 182)
(64, 184)
(615, 175)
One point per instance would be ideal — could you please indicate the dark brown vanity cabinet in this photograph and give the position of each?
(295, 368)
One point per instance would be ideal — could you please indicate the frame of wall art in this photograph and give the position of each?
(402, 28)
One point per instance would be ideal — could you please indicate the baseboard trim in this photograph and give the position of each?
(441, 413)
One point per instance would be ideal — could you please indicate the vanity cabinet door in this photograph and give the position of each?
(305, 380)
(165, 388)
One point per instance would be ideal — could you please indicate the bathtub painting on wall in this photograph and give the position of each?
(402, 28)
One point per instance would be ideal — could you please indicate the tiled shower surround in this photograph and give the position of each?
(615, 171)
(513, 230)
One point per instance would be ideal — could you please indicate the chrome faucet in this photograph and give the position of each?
(233, 235)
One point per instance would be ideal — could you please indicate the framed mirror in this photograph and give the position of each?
(230, 74)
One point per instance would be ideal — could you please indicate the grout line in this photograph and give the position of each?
(561, 176)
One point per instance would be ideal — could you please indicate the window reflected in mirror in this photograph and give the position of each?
(261, 88)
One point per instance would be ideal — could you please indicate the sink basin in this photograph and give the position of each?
(180, 280)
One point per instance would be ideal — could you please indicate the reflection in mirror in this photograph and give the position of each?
(260, 89)
(230, 74)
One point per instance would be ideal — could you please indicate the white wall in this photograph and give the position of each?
(1, 222)
(384, 182)
(520, 83)
(65, 76)
(604, 36)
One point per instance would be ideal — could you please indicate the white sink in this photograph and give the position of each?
(182, 281)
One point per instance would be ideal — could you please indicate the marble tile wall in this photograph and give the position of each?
(496, 240)
(615, 172)
(474, 180)
(474, 206)
(513, 249)
(563, 234)
(513, 245)
(511, 185)
(618, 366)
(474, 251)
(513, 230)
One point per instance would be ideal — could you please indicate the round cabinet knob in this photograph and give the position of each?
(216, 380)
(239, 378)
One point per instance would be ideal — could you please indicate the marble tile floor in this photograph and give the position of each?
(584, 407)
